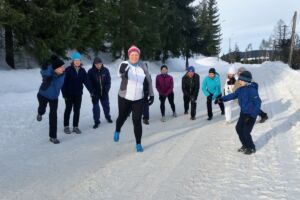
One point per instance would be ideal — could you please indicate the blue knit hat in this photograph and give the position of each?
(191, 69)
(246, 76)
(76, 56)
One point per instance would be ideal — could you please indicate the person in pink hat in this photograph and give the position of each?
(136, 85)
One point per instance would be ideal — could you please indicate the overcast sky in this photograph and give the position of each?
(249, 21)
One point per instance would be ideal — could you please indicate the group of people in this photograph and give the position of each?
(136, 95)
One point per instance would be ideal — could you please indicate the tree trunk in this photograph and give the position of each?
(9, 47)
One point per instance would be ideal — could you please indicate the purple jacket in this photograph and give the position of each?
(164, 84)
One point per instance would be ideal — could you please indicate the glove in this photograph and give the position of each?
(248, 119)
(209, 97)
(151, 100)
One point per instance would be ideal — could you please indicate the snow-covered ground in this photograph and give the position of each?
(183, 159)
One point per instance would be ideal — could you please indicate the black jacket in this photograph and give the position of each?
(100, 81)
(191, 86)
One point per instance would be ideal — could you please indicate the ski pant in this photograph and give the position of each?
(96, 108)
(187, 100)
(146, 109)
(43, 101)
(209, 106)
(243, 129)
(163, 100)
(72, 102)
(228, 110)
(136, 107)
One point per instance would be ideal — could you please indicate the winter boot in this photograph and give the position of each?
(109, 120)
(76, 130)
(67, 130)
(186, 112)
(242, 149)
(193, 118)
(163, 119)
(209, 118)
(139, 148)
(146, 121)
(249, 151)
(96, 125)
(116, 136)
(39, 117)
(263, 119)
(54, 140)
(174, 114)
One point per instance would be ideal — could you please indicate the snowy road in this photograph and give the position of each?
(183, 159)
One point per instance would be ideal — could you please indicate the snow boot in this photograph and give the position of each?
(263, 119)
(39, 117)
(174, 114)
(67, 130)
(163, 119)
(116, 136)
(146, 121)
(76, 130)
(242, 149)
(193, 118)
(109, 120)
(139, 148)
(249, 151)
(54, 140)
(186, 112)
(96, 125)
(209, 118)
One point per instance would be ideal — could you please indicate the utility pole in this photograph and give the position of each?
(293, 39)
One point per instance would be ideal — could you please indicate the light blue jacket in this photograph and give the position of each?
(211, 86)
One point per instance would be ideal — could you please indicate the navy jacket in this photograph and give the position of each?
(52, 83)
(100, 81)
(73, 85)
(248, 98)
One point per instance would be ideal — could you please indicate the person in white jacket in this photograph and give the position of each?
(228, 89)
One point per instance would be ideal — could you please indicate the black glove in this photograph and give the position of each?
(218, 100)
(151, 100)
(248, 119)
(209, 97)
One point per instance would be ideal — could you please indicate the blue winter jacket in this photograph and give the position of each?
(248, 98)
(52, 83)
(211, 86)
(100, 81)
(73, 85)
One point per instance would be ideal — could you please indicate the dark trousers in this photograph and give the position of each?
(146, 109)
(72, 102)
(243, 129)
(136, 107)
(43, 101)
(163, 100)
(96, 108)
(209, 106)
(187, 100)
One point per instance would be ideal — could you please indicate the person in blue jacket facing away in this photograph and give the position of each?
(250, 104)
(53, 79)
(100, 80)
(72, 90)
(211, 88)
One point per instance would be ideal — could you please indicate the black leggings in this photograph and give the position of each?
(75, 103)
(163, 100)
(136, 107)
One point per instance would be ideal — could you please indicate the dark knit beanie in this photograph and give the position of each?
(212, 70)
(164, 66)
(56, 62)
(246, 76)
(97, 60)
